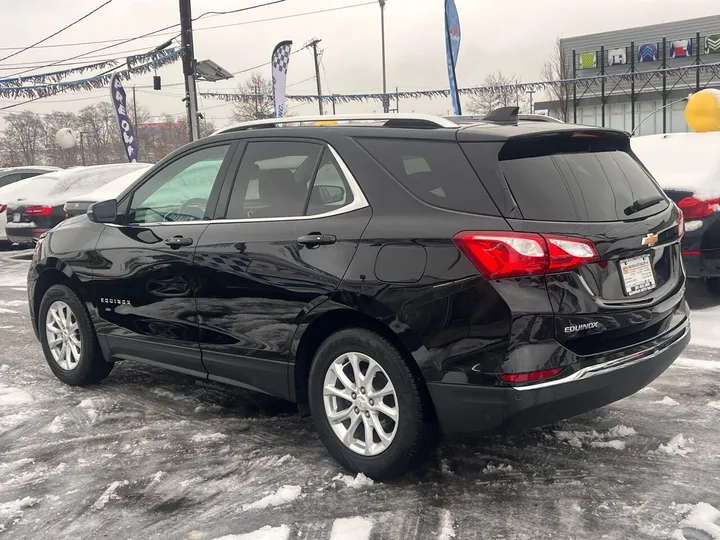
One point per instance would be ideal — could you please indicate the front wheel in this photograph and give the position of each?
(68, 339)
(371, 411)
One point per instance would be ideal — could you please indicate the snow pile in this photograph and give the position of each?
(56, 426)
(12, 511)
(266, 533)
(447, 529)
(113, 189)
(490, 468)
(359, 481)
(685, 161)
(57, 188)
(13, 396)
(617, 445)
(283, 495)
(354, 528)
(108, 494)
(705, 330)
(714, 405)
(597, 440)
(667, 401)
(677, 446)
(703, 522)
(208, 437)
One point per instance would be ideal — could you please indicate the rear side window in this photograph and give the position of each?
(578, 179)
(436, 172)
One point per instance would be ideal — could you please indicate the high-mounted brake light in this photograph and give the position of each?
(533, 376)
(500, 255)
(38, 210)
(696, 207)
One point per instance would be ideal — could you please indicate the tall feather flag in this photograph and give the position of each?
(280, 63)
(119, 101)
(452, 47)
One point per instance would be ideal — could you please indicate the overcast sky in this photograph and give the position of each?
(515, 36)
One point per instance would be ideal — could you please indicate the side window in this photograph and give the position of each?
(330, 190)
(179, 191)
(25, 175)
(273, 180)
(436, 172)
(9, 179)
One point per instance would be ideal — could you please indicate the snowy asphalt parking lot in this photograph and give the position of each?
(153, 454)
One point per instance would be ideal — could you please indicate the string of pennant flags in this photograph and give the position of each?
(48, 84)
(583, 82)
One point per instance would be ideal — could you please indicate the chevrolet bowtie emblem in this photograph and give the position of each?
(650, 240)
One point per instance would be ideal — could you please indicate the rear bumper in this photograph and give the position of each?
(478, 410)
(702, 264)
(23, 235)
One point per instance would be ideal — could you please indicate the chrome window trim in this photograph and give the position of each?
(359, 202)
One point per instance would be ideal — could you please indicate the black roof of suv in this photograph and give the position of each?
(394, 278)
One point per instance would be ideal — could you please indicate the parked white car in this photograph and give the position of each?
(12, 175)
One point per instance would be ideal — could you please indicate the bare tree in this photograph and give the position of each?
(259, 103)
(22, 142)
(558, 68)
(504, 94)
(101, 134)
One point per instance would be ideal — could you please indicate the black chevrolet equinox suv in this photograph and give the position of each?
(396, 276)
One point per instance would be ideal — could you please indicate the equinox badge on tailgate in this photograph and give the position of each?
(581, 327)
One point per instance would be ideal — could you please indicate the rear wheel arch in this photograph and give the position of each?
(327, 324)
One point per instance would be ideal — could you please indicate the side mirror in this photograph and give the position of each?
(103, 212)
(332, 194)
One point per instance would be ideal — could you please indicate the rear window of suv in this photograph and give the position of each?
(436, 172)
(577, 177)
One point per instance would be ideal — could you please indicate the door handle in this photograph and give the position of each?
(178, 241)
(316, 239)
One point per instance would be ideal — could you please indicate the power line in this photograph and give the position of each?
(58, 32)
(121, 55)
(161, 32)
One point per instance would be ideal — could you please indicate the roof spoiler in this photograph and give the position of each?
(503, 115)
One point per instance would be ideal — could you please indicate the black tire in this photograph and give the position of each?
(713, 287)
(92, 367)
(417, 432)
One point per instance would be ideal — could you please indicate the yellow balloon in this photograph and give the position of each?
(702, 112)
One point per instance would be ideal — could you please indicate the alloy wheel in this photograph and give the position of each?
(63, 335)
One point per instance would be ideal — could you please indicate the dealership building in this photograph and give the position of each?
(620, 78)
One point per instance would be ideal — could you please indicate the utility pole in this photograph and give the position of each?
(531, 92)
(316, 54)
(386, 101)
(186, 41)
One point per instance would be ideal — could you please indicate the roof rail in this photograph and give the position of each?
(414, 120)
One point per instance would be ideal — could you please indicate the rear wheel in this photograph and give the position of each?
(68, 339)
(369, 408)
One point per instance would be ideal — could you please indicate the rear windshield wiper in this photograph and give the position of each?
(642, 204)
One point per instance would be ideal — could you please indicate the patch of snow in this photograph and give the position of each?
(354, 528)
(359, 481)
(617, 445)
(677, 446)
(13, 396)
(447, 529)
(12, 303)
(445, 467)
(682, 509)
(16, 464)
(7, 311)
(648, 390)
(703, 522)
(208, 437)
(86, 404)
(108, 494)
(10, 278)
(490, 468)
(266, 533)
(5, 367)
(714, 405)
(56, 426)
(575, 442)
(13, 510)
(20, 289)
(283, 495)
(5, 327)
(667, 401)
(692, 363)
(705, 330)
(621, 431)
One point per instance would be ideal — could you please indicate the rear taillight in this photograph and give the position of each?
(38, 210)
(533, 376)
(695, 207)
(3, 207)
(681, 224)
(499, 255)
